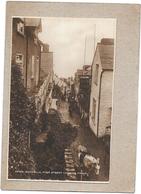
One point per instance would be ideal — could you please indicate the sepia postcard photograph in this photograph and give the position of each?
(61, 98)
(66, 76)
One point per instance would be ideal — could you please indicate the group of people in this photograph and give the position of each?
(73, 107)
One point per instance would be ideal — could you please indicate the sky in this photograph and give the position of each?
(72, 41)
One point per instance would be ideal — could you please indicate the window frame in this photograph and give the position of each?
(20, 25)
(18, 61)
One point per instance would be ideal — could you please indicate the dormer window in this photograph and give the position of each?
(20, 28)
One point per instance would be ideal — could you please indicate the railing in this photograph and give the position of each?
(40, 97)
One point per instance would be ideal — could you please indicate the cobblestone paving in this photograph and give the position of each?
(69, 163)
(86, 138)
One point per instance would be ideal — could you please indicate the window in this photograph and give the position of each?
(96, 74)
(94, 110)
(20, 28)
(37, 58)
(19, 61)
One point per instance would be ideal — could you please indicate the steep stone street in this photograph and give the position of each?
(72, 138)
(86, 138)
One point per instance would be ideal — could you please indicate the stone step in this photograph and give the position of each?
(69, 161)
(69, 165)
(71, 176)
(71, 173)
(68, 156)
(67, 149)
(70, 169)
(68, 153)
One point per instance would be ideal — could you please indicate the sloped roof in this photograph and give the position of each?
(79, 72)
(107, 41)
(86, 67)
(106, 52)
(34, 22)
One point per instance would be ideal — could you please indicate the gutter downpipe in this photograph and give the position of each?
(99, 97)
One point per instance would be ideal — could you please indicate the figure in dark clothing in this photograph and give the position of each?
(82, 155)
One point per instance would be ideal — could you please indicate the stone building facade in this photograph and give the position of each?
(101, 88)
(26, 49)
(19, 52)
(33, 27)
(33, 57)
(46, 61)
(82, 85)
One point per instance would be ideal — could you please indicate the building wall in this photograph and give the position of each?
(33, 61)
(78, 74)
(46, 63)
(105, 102)
(30, 47)
(25, 46)
(94, 93)
(19, 47)
(99, 124)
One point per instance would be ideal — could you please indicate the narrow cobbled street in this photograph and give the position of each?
(86, 138)
(50, 154)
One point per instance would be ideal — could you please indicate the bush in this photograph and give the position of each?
(22, 116)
